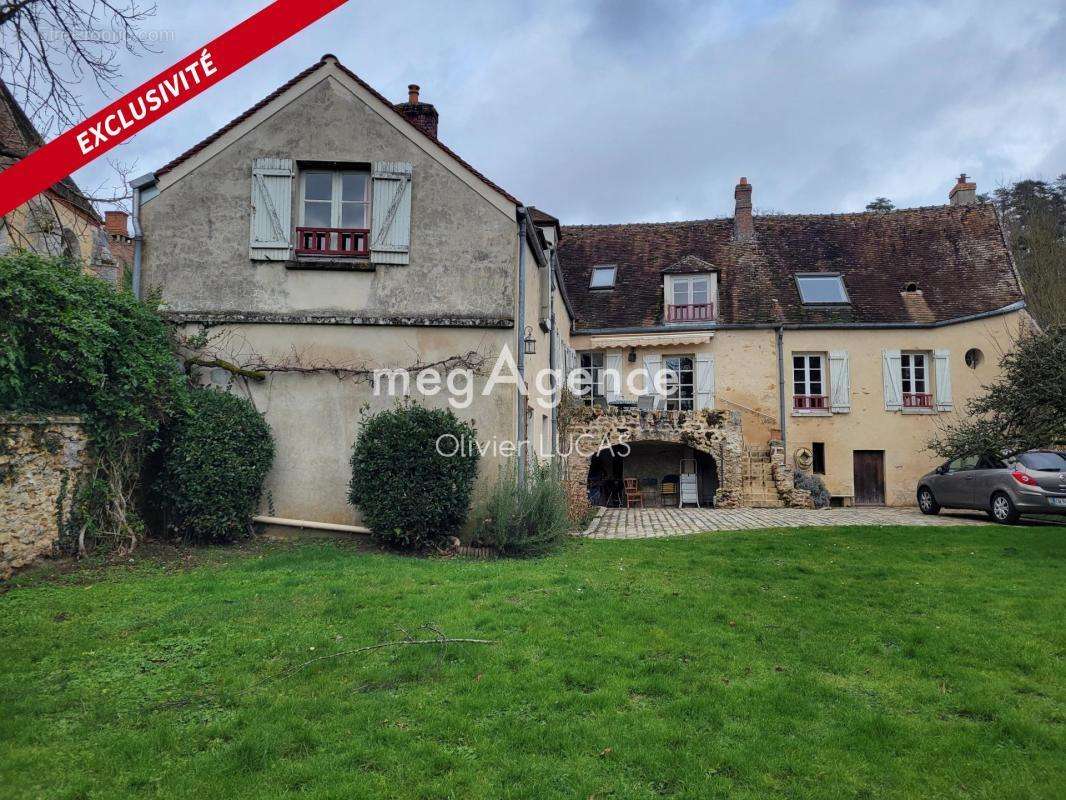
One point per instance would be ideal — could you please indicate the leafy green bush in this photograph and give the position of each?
(214, 458)
(813, 484)
(410, 491)
(71, 343)
(525, 520)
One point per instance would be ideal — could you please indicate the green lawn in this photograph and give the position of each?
(836, 663)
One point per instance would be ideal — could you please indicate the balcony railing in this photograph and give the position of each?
(917, 400)
(332, 242)
(809, 402)
(700, 312)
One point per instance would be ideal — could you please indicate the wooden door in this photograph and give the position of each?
(869, 477)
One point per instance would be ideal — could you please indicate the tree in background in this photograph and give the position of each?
(1034, 213)
(1025, 408)
(880, 204)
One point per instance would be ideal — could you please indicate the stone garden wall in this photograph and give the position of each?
(41, 459)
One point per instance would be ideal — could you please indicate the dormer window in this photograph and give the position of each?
(603, 277)
(821, 288)
(690, 298)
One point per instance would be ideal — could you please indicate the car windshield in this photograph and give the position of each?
(1043, 462)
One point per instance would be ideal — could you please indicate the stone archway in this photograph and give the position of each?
(712, 432)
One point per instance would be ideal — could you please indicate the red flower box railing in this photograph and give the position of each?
(809, 402)
(702, 312)
(332, 242)
(912, 400)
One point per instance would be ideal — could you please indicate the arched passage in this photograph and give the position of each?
(655, 465)
(709, 437)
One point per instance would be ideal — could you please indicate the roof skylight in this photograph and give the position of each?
(603, 277)
(821, 288)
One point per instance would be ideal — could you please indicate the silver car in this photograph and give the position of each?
(1031, 483)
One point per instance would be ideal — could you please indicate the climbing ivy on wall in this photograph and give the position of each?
(71, 343)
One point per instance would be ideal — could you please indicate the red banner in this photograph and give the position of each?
(156, 97)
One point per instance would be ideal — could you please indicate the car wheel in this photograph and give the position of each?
(927, 504)
(1002, 509)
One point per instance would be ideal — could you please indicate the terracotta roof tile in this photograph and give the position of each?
(956, 255)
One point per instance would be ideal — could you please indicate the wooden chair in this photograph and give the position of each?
(669, 491)
(633, 495)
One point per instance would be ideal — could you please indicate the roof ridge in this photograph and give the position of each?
(770, 217)
(325, 59)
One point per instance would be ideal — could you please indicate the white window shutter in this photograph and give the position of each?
(612, 378)
(893, 378)
(653, 364)
(704, 381)
(271, 237)
(390, 213)
(942, 367)
(840, 382)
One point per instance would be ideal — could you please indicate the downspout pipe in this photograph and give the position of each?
(520, 358)
(137, 184)
(553, 355)
(781, 388)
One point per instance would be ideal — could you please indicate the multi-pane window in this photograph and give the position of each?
(914, 375)
(592, 376)
(334, 212)
(680, 382)
(808, 382)
(689, 299)
(336, 199)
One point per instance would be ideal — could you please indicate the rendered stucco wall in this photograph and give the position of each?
(746, 375)
(463, 248)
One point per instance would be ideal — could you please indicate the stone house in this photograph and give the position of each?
(735, 348)
(60, 221)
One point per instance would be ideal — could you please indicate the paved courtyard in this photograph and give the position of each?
(649, 523)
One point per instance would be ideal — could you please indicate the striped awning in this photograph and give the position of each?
(649, 340)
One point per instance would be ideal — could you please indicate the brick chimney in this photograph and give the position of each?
(115, 222)
(963, 193)
(422, 115)
(743, 224)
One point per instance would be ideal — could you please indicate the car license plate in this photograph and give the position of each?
(1058, 501)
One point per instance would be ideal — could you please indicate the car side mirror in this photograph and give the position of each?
(942, 469)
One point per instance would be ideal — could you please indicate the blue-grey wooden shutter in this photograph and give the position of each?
(390, 213)
(942, 374)
(271, 237)
(839, 382)
(893, 379)
(704, 381)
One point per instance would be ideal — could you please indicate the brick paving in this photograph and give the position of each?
(651, 523)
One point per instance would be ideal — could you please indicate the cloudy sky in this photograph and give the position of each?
(635, 110)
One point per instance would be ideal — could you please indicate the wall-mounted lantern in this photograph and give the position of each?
(529, 343)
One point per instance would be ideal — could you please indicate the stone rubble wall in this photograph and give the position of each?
(785, 480)
(41, 460)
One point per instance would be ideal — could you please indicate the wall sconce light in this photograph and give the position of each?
(529, 343)
(632, 356)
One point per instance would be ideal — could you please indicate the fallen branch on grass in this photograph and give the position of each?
(438, 639)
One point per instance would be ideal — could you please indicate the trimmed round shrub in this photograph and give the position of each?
(411, 491)
(215, 456)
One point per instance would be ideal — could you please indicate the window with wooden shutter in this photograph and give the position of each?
(390, 209)
(271, 224)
